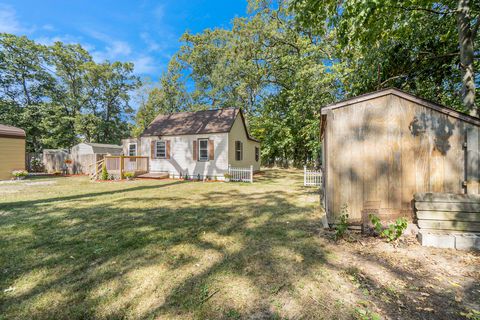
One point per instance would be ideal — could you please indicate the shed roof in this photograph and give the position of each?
(9, 131)
(103, 148)
(402, 94)
(199, 122)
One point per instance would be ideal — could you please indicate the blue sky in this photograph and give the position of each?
(143, 32)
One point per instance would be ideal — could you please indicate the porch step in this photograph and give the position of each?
(154, 175)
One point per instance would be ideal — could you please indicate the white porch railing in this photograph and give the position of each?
(312, 178)
(241, 174)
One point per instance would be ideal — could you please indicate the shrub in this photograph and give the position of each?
(377, 225)
(19, 173)
(393, 231)
(104, 172)
(129, 175)
(342, 227)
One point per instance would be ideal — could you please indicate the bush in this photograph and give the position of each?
(104, 175)
(19, 173)
(342, 227)
(129, 175)
(393, 231)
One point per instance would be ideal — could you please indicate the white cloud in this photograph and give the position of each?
(152, 45)
(114, 49)
(145, 65)
(8, 20)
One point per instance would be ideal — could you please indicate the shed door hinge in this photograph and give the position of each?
(465, 145)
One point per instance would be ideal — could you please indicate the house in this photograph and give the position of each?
(85, 154)
(382, 148)
(197, 144)
(12, 156)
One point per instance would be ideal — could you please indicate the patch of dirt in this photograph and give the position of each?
(404, 280)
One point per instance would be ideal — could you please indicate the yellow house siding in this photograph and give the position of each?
(238, 133)
(12, 156)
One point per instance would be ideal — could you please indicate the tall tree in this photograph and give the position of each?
(24, 84)
(168, 96)
(437, 39)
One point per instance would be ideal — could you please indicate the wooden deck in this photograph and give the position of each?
(154, 175)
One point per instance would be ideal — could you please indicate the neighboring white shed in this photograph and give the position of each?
(85, 154)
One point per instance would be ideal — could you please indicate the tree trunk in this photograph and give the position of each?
(466, 37)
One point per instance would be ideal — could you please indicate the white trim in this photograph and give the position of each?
(199, 150)
(156, 149)
(240, 143)
(136, 149)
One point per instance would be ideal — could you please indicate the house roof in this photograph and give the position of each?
(402, 94)
(9, 131)
(199, 122)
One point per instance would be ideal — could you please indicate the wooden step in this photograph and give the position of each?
(154, 175)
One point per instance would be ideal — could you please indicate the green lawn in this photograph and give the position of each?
(76, 249)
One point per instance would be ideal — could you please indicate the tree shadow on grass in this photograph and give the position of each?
(192, 251)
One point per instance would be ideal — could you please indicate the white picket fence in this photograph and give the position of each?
(241, 174)
(312, 178)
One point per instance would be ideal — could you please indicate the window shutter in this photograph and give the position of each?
(168, 149)
(152, 149)
(211, 150)
(195, 151)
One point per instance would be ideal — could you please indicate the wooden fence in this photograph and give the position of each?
(446, 211)
(54, 160)
(312, 178)
(241, 174)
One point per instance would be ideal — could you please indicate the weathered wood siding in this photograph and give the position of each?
(448, 212)
(12, 156)
(382, 151)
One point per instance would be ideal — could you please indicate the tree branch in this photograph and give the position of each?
(448, 11)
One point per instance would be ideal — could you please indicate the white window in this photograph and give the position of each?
(160, 150)
(132, 149)
(238, 150)
(203, 149)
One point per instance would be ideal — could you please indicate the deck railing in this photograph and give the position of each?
(121, 164)
(241, 174)
(312, 178)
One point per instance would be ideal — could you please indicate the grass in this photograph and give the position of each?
(76, 249)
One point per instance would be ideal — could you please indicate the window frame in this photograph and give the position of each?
(129, 150)
(238, 151)
(164, 149)
(206, 149)
(257, 154)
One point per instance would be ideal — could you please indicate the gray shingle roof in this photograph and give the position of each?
(199, 122)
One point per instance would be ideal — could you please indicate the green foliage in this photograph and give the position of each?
(265, 66)
(129, 175)
(342, 227)
(393, 231)
(60, 96)
(19, 173)
(412, 45)
(377, 225)
(104, 175)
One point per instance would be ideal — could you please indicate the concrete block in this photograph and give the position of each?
(467, 241)
(436, 240)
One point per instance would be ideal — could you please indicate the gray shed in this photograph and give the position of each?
(85, 154)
